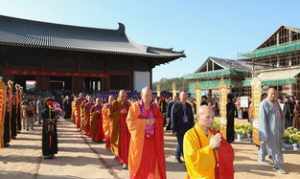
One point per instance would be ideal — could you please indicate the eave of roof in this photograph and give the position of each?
(37, 34)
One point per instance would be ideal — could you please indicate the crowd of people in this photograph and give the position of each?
(133, 126)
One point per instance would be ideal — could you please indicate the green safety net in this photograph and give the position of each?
(279, 82)
(215, 84)
(214, 74)
(273, 50)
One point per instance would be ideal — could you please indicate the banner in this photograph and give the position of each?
(256, 92)
(223, 90)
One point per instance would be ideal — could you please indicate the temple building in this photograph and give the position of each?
(276, 62)
(50, 56)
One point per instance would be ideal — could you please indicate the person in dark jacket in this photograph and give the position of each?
(168, 112)
(49, 134)
(230, 114)
(204, 101)
(182, 118)
(67, 107)
(287, 112)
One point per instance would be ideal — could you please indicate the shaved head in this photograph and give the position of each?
(183, 96)
(205, 116)
(146, 95)
(110, 98)
(122, 95)
(272, 94)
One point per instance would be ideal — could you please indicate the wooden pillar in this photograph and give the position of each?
(256, 92)
(131, 80)
(151, 78)
(42, 82)
(77, 84)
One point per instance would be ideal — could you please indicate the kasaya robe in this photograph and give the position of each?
(2, 112)
(13, 120)
(73, 106)
(82, 114)
(107, 124)
(7, 120)
(201, 161)
(118, 121)
(18, 110)
(86, 119)
(77, 111)
(96, 133)
(146, 158)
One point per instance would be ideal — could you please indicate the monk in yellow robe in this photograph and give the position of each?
(120, 135)
(199, 145)
(146, 158)
(73, 108)
(107, 123)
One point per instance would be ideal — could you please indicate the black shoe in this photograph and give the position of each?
(179, 160)
(6, 145)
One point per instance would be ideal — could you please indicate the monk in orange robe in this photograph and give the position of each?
(120, 134)
(79, 100)
(146, 153)
(96, 133)
(85, 127)
(107, 124)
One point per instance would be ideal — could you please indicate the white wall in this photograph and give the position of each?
(141, 79)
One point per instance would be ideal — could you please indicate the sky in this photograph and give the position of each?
(202, 28)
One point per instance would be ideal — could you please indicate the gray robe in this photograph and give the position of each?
(271, 128)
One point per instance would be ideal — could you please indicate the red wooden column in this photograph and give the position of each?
(42, 82)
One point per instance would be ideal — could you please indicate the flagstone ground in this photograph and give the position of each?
(80, 158)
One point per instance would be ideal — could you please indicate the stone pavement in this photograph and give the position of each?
(80, 158)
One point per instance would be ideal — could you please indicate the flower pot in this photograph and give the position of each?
(239, 137)
(295, 147)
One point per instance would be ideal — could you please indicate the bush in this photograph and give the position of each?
(243, 129)
(291, 135)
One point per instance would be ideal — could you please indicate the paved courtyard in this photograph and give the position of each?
(79, 158)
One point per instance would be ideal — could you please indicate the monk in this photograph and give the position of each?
(2, 111)
(146, 153)
(85, 120)
(107, 124)
(78, 102)
(96, 133)
(120, 135)
(73, 105)
(82, 113)
(199, 145)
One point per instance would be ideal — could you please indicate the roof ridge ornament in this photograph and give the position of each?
(121, 28)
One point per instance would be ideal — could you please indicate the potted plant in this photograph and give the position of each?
(294, 141)
(240, 132)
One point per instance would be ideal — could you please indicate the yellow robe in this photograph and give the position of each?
(199, 158)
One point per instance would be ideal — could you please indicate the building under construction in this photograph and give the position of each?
(276, 62)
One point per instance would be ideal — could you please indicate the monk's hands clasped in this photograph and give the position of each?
(149, 121)
(215, 141)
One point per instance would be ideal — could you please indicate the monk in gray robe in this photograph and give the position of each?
(271, 127)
